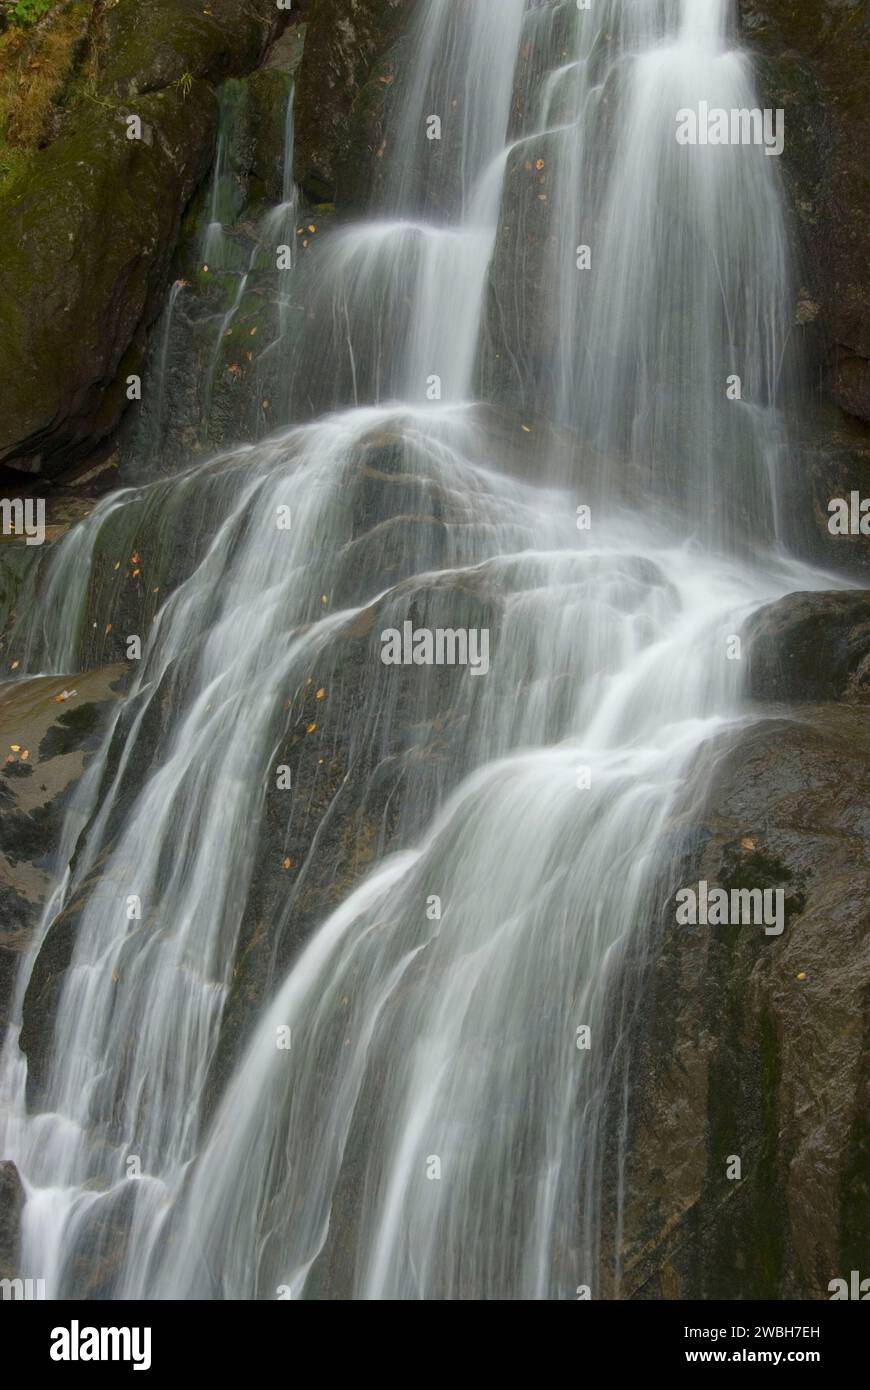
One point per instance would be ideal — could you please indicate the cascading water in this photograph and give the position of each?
(431, 1130)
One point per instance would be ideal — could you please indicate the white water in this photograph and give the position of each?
(417, 1038)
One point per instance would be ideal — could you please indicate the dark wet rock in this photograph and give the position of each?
(11, 1203)
(58, 738)
(343, 40)
(814, 62)
(150, 45)
(752, 1046)
(372, 751)
(827, 460)
(811, 647)
(89, 234)
(268, 94)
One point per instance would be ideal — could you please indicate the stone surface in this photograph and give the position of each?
(58, 737)
(89, 233)
(811, 647)
(814, 62)
(754, 1046)
(342, 42)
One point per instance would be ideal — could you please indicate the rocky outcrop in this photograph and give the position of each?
(814, 62)
(811, 647)
(89, 233)
(747, 1160)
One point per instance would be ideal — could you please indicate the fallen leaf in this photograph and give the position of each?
(15, 665)
(16, 747)
(287, 863)
(25, 755)
(802, 976)
(747, 843)
(310, 728)
(320, 694)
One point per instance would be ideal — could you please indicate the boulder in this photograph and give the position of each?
(343, 40)
(11, 1204)
(45, 744)
(810, 647)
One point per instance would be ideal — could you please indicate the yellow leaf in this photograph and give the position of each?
(15, 665)
(310, 728)
(25, 755)
(287, 863)
(747, 843)
(16, 747)
(320, 694)
(802, 975)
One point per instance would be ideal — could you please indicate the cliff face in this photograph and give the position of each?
(814, 61)
(91, 223)
(93, 220)
(756, 1048)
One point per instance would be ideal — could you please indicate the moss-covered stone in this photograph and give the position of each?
(88, 236)
(754, 1047)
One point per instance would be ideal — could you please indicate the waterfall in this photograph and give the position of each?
(409, 1114)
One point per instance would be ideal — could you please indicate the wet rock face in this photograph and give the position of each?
(45, 744)
(814, 61)
(11, 1204)
(89, 233)
(811, 647)
(344, 39)
(753, 1047)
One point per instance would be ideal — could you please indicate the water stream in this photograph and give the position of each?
(432, 1130)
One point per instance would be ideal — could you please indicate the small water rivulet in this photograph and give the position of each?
(431, 1130)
